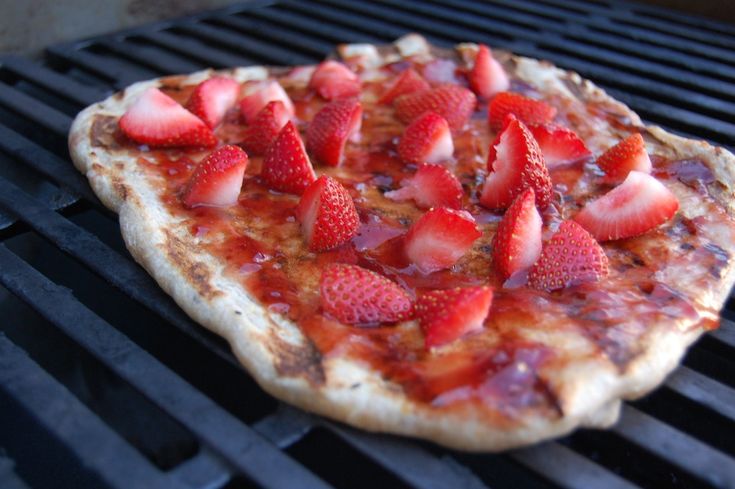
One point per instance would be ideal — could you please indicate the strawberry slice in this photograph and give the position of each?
(212, 98)
(265, 127)
(559, 145)
(333, 80)
(452, 102)
(332, 126)
(518, 165)
(517, 242)
(257, 96)
(327, 214)
(447, 315)
(355, 295)
(634, 207)
(528, 110)
(286, 167)
(439, 238)
(487, 77)
(408, 82)
(570, 257)
(628, 155)
(426, 139)
(431, 186)
(158, 120)
(217, 180)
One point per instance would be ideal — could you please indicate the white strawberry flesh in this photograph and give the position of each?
(257, 96)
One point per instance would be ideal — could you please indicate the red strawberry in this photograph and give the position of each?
(439, 238)
(446, 315)
(452, 102)
(408, 82)
(158, 120)
(570, 257)
(257, 96)
(332, 126)
(327, 214)
(426, 139)
(517, 242)
(286, 167)
(265, 127)
(431, 186)
(629, 154)
(217, 179)
(517, 166)
(355, 295)
(528, 110)
(558, 144)
(333, 80)
(634, 207)
(212, 98)
(487, 76)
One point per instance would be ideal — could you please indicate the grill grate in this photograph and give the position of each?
(67, 353)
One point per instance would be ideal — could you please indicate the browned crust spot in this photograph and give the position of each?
(297, 360)
(120, 188)
(196, 273)
(103, 131)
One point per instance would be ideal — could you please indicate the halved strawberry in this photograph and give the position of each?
(452, 102)
(158, 120)
(217, 180)
(487, 76)
(286, 167)
(634, 207)
(570, 257)
(447, 315)
(559, 145)
(628, 155)
(327, 214)
(408, 82)
(431, 186)
(330, 129)
(333, 80)
(427, 139)
(212, 98)
(517, 242)
(518, 165)
(439, 238)
(355, 295)
(527, 110)
(263, 130)
(257, 96)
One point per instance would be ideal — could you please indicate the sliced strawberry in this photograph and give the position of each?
(217, 180)
(570, 257)
(427, 139)
(439, 238)
(265, 127)
(517, 242)
(355, 295)
(528, 110)
(333, 80)
(286, 167)
(257, 96)
(212, 98)
(628, 155)
(559, 145)
(332, 126)
(431, 186)
(158, 120)
(634, 207)
(452, 102)
(408, 82)
(327, 214)
(487, 77)
(447, 315)
(518, 165)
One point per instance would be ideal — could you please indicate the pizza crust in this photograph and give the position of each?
(288, 366)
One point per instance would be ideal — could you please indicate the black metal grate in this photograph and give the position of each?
(104, 382)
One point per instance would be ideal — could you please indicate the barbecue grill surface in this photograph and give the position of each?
(104, 382)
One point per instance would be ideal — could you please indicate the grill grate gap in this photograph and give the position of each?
(713, 365)
(502, 472)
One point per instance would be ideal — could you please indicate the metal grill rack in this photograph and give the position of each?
(104, 382)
